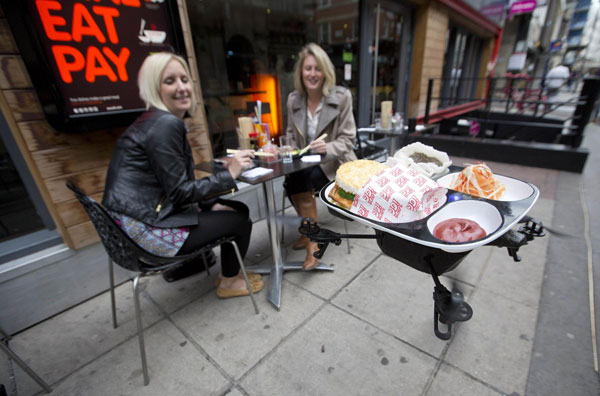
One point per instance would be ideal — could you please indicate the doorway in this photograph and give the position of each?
(386, 49)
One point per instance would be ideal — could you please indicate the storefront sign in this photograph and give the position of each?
(84, 55)
(516, 62)
(556, 45)
(495, 10)
(522, 7)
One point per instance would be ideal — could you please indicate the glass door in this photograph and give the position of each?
(385, 58)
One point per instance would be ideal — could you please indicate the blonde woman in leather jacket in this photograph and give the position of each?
(317, 107)
(150, 185)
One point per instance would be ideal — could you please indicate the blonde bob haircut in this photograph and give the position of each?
(150, 79)
(324, 64)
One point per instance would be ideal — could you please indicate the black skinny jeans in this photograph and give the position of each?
(215, 225)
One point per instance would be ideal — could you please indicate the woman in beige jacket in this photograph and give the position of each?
(315, 108)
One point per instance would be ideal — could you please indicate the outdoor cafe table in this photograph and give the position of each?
(396, 136)
(278, 265)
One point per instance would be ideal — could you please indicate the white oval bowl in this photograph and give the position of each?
(483, 213)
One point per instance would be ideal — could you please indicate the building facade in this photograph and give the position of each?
(240, 52)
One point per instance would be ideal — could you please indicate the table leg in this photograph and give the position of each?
(278, 266)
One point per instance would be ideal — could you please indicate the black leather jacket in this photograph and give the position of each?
(151, 173)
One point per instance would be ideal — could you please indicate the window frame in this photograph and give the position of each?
(20, 246)
(455, 91)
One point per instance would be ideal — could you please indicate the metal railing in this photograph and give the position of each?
(528, 98)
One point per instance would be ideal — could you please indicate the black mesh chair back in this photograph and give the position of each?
(120, 247)
(128, 254)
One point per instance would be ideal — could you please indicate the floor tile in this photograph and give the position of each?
(452, 382)
(337, 354)
(396, 298)
(325, 283)
(495, 345)
(66, 342)
(175, 367)
(237, 338)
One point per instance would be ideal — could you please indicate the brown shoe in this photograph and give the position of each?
(229, 293)
(310, 262)
(252, 277)
(300, 243)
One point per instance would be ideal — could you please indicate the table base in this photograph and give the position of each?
(276, 278)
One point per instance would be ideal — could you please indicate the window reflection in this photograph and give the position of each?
(17, 213)
(246, 51)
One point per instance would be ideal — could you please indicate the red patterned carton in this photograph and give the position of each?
(398, 195)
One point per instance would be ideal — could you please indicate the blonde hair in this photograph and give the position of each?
(324, 64)
(150, 79)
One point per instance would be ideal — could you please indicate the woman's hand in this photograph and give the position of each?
(318, 146)
(241, 160)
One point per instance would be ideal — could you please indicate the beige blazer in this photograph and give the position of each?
(336, 120)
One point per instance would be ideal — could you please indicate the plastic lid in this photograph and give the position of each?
(252, 135)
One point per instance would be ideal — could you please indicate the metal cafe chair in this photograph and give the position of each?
(4, 339)
(126, 253)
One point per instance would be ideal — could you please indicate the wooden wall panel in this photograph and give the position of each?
(431, 25)
(13, 73)
(55, 156)
(39, 135)
(91, 182)
(63, 160)
(82, 235)
(72, 212)
(23, 104)
(7, 41)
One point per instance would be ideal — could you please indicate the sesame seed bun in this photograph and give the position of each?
(351, 176)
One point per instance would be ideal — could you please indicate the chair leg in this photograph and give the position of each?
(113, 304)
(22, 364)
(205, 264)
(347, 239)
(282, 214)
(140, 328)
(239, 257)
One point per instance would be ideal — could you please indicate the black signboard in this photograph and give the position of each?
(83, 56)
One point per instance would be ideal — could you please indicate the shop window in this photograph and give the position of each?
(246, 51)
(461, 67)
(17, 213)
(25, 224)
(324, 3)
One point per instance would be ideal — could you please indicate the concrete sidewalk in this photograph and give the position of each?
(365, 329)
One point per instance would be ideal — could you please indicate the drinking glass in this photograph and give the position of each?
(285, 148)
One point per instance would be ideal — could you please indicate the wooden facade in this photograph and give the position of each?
(53, 157)
(431, 22)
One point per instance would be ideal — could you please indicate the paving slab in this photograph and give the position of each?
(518, 281)
(346, 266)
(175, 367)
(563, 361)
(337, 354)
(260, 245)
(495, 345)
(450, 381)
(62, 344)
(234, 392)
(234, 336)
(397, 299)
(472, 267)
(171, 296)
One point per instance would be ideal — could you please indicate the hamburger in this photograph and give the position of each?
(350, 177)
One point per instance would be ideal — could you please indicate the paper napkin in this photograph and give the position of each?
(311, 158)
(256, 172)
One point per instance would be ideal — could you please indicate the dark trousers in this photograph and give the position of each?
(305, 180)
(215, 225)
